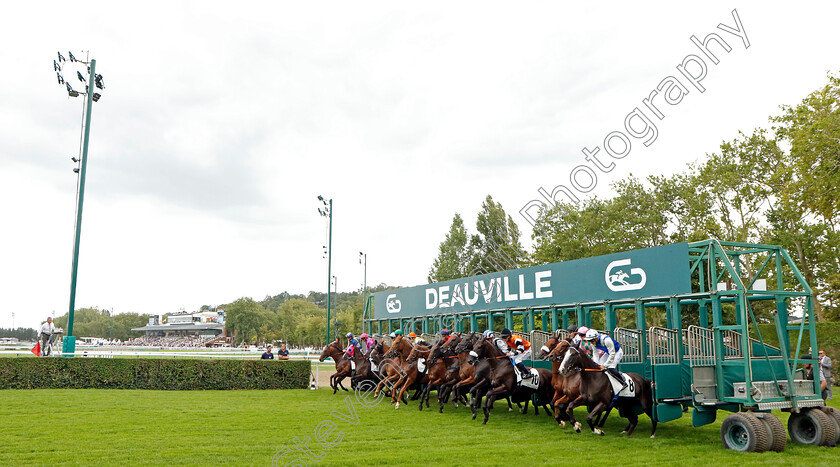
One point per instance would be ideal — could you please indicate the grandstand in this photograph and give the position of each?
(200, 329)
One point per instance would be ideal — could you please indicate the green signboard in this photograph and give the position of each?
(651, 272)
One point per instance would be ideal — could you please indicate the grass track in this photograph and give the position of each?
(131, 427)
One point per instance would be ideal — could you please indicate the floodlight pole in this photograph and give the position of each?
(329, 272)
(69, 346)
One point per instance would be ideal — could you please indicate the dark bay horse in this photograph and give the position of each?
(343, 368)
(503, 377)
(596, 391)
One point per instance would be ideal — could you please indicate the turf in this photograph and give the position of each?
(132, 427)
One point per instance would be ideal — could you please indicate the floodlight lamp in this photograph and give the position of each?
(74, 159)
(76, 169)
(96, 97)
(71, 91)
(56, 66)
(60, 78)
(61, 57)
(72, 58)
(320, 198)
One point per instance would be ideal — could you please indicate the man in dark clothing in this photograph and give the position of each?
(282, 354)
(267, 355)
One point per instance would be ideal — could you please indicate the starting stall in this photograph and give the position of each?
(685, 316)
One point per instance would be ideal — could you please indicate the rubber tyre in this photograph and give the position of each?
(744, 432)
(811, 426)
(776, 429)
(833, 414)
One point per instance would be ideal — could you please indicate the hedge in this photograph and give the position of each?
(158, 374)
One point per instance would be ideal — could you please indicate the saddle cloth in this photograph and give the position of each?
(532, 381)
(352, 365)
(629, 391)
(421, 365)
(373, 365)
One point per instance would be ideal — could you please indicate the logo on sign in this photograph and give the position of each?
(392, 304)
(619, 281)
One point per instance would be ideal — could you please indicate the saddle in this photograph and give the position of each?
(629, 391)
(530, 380)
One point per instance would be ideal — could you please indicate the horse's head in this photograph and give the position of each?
(570, 359)
(330, 350)
(482, 348)
(559, 351)
(547, 348)
(399, 347)
(466, 343)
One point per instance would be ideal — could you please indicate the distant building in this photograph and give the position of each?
(199, 324)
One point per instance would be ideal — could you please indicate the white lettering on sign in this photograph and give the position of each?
(493, 290)
(617, 281)
(543, 281)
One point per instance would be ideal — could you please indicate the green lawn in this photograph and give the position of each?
(128, 427)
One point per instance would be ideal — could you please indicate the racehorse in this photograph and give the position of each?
(503, 377)
(343, 368)
(394, 365)
(596, 390)
(364, 368)
(412, 373)
(558, 381)
(443, 369)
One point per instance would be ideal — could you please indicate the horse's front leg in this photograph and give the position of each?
(592, 417)
(570, 411)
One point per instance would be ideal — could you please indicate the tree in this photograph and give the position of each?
(452, 259)
(245, 320)
(497, 246)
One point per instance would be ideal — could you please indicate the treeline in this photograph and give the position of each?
(775, 185)
(300, 320)
(93, 322)
(23, 334)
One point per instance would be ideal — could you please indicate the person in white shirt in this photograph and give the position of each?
(47, 330)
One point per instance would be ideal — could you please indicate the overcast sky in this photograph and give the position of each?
(222, 122)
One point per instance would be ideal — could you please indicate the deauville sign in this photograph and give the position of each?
(658, 271)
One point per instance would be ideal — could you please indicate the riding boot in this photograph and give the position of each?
(523, 370)
(617, 374)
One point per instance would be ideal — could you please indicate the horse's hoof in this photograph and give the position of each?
(562, 424)
(653, 436)
(577, 427)
(598, 431)
(624, 432)
(510, 409)
(456, 405)
(473, 417)
(397, 406)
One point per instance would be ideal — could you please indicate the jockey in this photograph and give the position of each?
(368, 341)
(446, 335)
(352, 344)
(612, 353)
(518, 349)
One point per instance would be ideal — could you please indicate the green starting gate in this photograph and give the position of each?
(693, 332)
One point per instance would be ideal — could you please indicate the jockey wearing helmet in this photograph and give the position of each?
(518, 349)
(368, 341)
(612, 353)
(446, 335)
(352, 344)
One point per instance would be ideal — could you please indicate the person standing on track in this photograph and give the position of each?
(46, 332)
(825, 366)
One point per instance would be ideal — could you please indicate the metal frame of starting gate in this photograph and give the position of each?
(713, 364)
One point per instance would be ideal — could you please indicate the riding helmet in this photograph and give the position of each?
(505, 332)
(591, 335)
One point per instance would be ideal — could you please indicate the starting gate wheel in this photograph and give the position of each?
(811, 426)
(744, 432)
(833, 414)
(776, 429)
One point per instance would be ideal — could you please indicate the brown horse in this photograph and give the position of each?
(596, 390)
(343, 368)
(413, 376)
(393, 365)
(503, 380)
(444, 367)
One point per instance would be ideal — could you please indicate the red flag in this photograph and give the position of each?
(37, 349)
